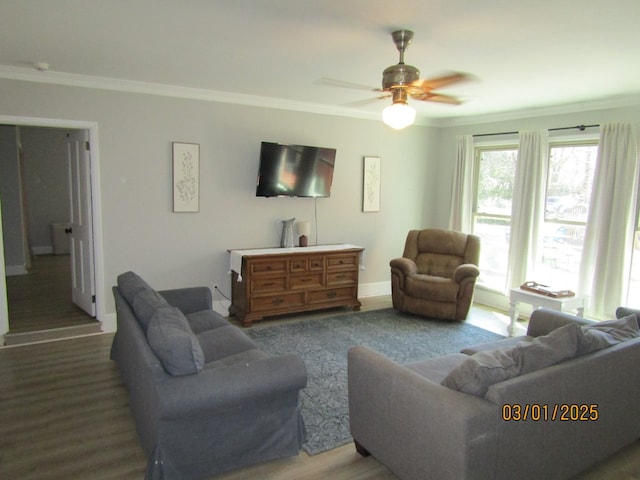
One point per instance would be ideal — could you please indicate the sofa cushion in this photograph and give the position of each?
(130, 284)
(437, 368)
(204, 320)
(438, 289)
(224, 341)
(243, 358)
(173, 342)
(481, 370)
(606, 334)
(145, 303)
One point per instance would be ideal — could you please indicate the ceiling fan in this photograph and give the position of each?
(401, 81)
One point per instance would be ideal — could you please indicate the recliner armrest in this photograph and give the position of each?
(405, 265)
(466, 270)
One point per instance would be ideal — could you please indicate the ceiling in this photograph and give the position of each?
(525, 54)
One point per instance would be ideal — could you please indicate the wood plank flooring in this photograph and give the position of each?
(41, 301)
(64, 414)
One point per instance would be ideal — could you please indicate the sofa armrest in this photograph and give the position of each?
(223, 388)
(417, 427)
(466, 270)
(189, 300)
(543, 321)
(405, 265)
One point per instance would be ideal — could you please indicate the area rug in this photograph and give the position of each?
(323, 344)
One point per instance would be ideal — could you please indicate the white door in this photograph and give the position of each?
(82, 262)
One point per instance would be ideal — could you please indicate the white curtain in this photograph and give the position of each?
(606, 257)
(462, 188)
(527, 209)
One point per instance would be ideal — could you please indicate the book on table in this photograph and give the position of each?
(546, 290)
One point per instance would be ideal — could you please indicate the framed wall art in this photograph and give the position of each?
(371, 184)
(186, 177)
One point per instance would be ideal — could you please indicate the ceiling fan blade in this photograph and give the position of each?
(366, 101)
(332, 82)
(439, 82)
(437, 97)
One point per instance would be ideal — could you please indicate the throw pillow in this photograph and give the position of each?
(173, 342)
(541, 352)
(481, 370)
(606, 334)
(130, 284)
(145, 304)
(477, 373)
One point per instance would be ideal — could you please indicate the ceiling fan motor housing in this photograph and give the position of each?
(399, 75)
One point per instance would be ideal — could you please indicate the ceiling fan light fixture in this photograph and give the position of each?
(399, 115)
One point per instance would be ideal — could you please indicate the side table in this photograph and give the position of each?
(561, 304)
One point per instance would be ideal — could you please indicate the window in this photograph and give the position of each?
(495, 173)
(569, 181)
(633, 297)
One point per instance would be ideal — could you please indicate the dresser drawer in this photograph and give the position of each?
(342, 261)
(272, 265)
(316, 264)
(347, 277)
(283, 301)
(299, 265)
(268, 284)
(332, 295)
(305, 281)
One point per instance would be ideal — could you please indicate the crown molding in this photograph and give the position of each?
(618, 101)
(149, 88)
(174, 91)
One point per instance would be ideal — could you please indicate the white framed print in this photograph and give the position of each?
(186, 177)
(371, 184)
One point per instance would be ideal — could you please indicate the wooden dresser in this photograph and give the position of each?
(287, 280)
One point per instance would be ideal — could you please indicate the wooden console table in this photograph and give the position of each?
(276, 281)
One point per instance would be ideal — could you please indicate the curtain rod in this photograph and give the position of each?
(579, 127)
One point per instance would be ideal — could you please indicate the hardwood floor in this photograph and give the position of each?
(64, 414)
(40, 303)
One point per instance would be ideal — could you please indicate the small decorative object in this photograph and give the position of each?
(286, 240)
(186, 177)
(371, 185)
(546, 290)
(304, 229)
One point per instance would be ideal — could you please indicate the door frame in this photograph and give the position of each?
(96, 211)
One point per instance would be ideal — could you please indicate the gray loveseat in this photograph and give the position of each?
(204, 398)
(543, 406)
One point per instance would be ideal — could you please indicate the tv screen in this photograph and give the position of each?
(295, 171)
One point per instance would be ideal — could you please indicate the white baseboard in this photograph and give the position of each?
(43, 250)
(374, 289)
(109, 323)
(12, 270)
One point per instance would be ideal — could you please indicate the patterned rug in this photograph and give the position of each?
(323, 345)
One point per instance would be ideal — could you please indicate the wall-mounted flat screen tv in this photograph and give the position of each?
(295, 171)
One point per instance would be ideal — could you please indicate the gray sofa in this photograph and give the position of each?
(462, 416)
(204, 398)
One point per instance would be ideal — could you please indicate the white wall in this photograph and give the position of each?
(141, 233)
(46, 177)
(12, 221)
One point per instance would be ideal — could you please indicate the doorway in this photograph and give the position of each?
(42, 301)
